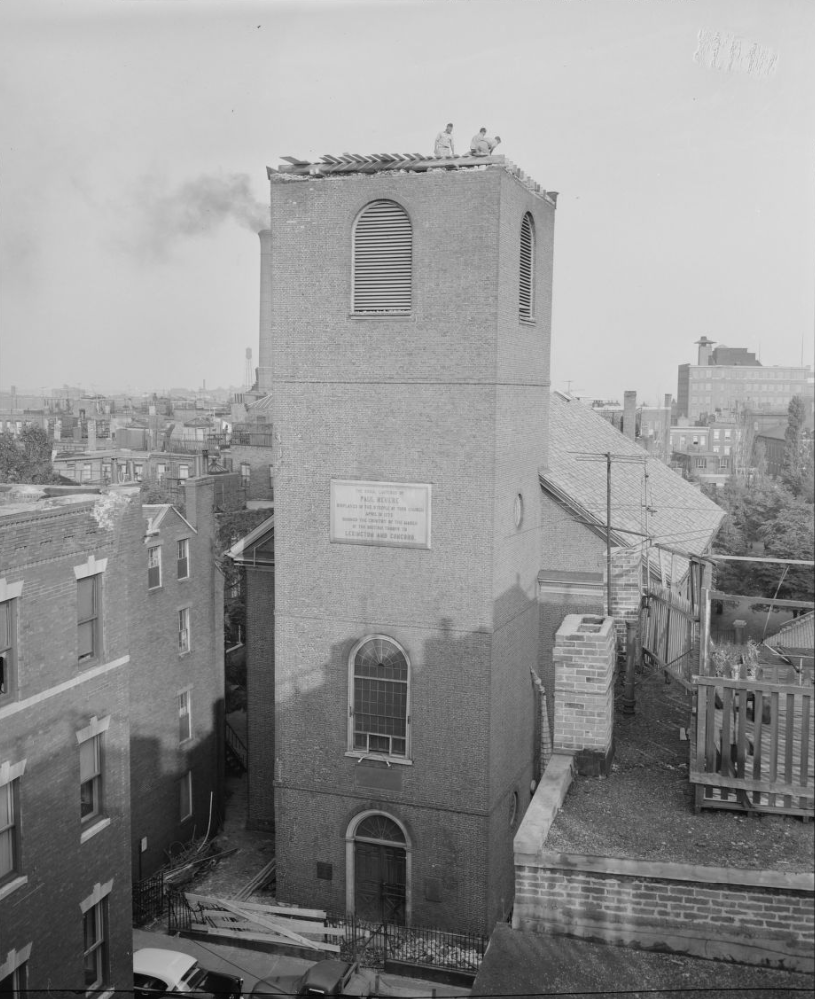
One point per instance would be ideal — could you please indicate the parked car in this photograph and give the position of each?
(158, 972)
(326, 978)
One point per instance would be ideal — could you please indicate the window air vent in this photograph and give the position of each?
(526, 298)
(383, 260)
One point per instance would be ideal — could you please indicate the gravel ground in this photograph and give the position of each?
(644, 808)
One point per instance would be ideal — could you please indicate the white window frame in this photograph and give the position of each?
(184, 636)
(92, 739)
(10, 775)
(14, 968)
(153, 563)
(10, 593)
(93, 569)
(371, 749)
(184, 700)
(183, 545)
(96, 906)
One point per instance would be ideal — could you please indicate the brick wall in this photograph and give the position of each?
(750, 923)
(260, 696)
(626, 589)
(584, 658)
(56, 697)
(159, 760)
(455, 395)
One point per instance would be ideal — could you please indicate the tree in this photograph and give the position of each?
(27, 458)
(765, 515)
(796, 465)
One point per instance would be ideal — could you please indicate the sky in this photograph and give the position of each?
(135, 136)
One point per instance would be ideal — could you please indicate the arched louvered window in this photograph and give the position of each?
(378, 710)
(526, 296)
(383, 260)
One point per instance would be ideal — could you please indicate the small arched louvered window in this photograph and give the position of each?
(383, 260)
(526, 296)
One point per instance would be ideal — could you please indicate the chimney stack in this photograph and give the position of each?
(630, 415)
(666, 428)
(704, 346)
(265, 344)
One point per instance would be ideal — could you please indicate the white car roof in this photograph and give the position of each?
(169, 965)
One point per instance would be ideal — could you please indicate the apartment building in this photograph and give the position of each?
(65, 739)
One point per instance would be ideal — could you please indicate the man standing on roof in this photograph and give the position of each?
(482, 145)
(444, 142)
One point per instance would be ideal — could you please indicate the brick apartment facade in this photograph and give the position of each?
(64, 740)
(177, 677)
(449, 393)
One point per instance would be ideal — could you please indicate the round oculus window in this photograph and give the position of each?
(519, 510)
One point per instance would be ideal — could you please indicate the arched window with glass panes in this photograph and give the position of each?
(379, 708)
(526, 297)
(382, 260)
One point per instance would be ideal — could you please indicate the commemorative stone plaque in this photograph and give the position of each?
(395, 514)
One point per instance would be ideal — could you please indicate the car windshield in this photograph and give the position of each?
(194, 978)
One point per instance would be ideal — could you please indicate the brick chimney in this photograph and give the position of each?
(666, 427)
(265, 346)
(630, 415)
(584, 658)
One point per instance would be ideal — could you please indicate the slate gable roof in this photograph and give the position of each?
(796, 634)
(678, 515)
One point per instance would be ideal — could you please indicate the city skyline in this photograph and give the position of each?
(137, 137)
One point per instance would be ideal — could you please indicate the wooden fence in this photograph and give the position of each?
(752, 746)
(670, 632)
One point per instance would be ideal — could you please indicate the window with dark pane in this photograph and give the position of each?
(90, 777)
(8, 643)
(380, 698)
(383, 260)
(87, 593)
(95, 952)
(8, 831)
(526, 299)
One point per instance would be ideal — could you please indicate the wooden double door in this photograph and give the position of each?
(379, 882)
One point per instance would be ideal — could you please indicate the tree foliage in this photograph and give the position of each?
(27, 458)
(797, 463)
(765, 519)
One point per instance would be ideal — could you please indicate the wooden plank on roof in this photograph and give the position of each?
(296, 162)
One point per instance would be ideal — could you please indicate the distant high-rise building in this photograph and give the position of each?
(729, 380)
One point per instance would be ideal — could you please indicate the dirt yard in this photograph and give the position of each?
(644, 808)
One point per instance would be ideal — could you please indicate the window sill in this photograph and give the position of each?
(183, 579)
(155, 589)
(527, 321)
(359, 756)
(12, 886)
(91, 831)
(183, 655)
(399, 316)
(106, 993)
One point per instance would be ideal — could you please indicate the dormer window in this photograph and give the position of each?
(526, 298)
(382, 260)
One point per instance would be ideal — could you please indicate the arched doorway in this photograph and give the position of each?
(378, 872)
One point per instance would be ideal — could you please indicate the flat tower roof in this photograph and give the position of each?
(355, 163)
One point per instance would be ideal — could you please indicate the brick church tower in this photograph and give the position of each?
(405, 330)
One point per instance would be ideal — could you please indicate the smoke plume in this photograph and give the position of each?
(195, 208)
